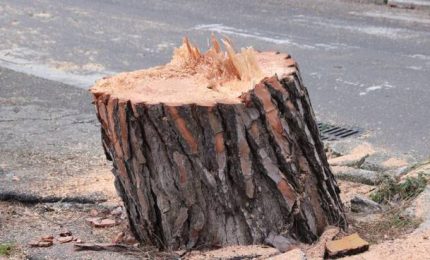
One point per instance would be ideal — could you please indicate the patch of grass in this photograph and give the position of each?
(390, 190)
(391, 225)
(5, 249)
(393, 222)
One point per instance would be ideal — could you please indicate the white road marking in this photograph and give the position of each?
(383, 86)
(406, 17)
(380, 31)
(219, 28)
(281, 39)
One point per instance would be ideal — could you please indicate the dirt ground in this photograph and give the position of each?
(21, 224)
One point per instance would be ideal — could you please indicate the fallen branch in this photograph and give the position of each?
(37, 199)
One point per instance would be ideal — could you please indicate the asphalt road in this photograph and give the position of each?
(364, 65)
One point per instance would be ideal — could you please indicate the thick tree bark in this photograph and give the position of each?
(202, 176)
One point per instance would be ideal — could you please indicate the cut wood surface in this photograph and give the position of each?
(217, 148)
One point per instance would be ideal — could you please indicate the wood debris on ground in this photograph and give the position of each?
(44, 241)
(66, 239)
(349, 245)
(99, 222)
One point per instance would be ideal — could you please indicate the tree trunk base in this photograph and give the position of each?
(222, 174)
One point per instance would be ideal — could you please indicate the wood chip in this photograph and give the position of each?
(48, 238)
(349, 245)
(101, 223)
(118, 238)
(41, 243)
(63, 240)
(106, 223)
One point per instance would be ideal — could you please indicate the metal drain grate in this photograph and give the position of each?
(332, 133)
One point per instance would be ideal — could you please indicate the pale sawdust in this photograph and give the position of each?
(96, 181)
(394, 163)
(15, 217)
(26, 223)
(193, 77)
(317, 250)
(294, 254)
(423, 168)
(20, 224)
(252, 251)
(412, 246)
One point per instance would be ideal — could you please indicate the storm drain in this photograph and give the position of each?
(332, 133)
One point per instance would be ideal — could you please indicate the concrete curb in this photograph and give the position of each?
(410, 4)
(406, 4)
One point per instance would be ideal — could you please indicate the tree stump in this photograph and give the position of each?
(217, 148)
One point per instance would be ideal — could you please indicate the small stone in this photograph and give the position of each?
(349, 245)
(116, 211)
(361, 204)
(283, 244)
(63, 240)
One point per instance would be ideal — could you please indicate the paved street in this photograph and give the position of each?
(365, 65)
